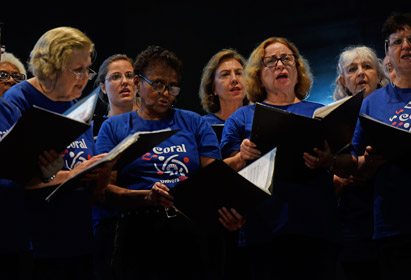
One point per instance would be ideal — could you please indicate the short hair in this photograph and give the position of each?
(347, 56)
(154, 55)
(209, 101)
(255, 90)
(51, 52)
(10, 58)
(103, 70)
(396, 21)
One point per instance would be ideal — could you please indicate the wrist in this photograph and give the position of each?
(334, 163)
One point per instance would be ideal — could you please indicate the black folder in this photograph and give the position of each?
(38, 130)
(128, 150)
(214, 186)
(294, 134)
(392, 142)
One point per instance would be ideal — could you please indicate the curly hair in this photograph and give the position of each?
(154, 55)
(210, 101)
(52, 51)
(255, 89)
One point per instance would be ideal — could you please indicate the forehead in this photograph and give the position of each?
(229, 63)
(163, 72)
(120, 65)
(276, 48)
(8, 67)
(79, 57)
(406, 31)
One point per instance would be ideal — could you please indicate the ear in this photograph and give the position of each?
(103, 88)
(340, 80)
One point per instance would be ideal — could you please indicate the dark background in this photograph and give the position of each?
(197, 30)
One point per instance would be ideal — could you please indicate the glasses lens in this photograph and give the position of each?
(288, 59)
(270, 61)
(174, 90)
(158, 87)
(4, 76)
(130, 76)
(18, 77)
(115, 77)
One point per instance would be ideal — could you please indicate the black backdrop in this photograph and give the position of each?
(197, 30)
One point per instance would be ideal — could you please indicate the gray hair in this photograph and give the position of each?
(347, 57)
(10, 58)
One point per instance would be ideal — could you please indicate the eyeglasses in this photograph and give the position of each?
(18, 77)
(81, 74)
(396, 42)
(159, 87)
(271, 61)
(118, 76)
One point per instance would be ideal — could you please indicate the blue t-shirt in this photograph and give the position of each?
(61, 227)
(174, 160)
(392, 207)
(13, 236)
(308, 208)
(213, 119)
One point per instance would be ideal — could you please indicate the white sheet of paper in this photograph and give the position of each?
(261, 171)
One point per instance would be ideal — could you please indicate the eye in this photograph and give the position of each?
(397, 42)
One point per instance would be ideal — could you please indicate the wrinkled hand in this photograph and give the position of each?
(159, 196)
(231, 220)
(324, 158)
(372, 159)
(93, 174)
(248, 150)
(50, 162)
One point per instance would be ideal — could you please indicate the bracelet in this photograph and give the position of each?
(48, 180)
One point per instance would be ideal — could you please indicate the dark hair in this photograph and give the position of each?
(154, 55)
(396, 21)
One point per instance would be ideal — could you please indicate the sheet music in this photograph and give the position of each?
(261, 171)
(84, 112)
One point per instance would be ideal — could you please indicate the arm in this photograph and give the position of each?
(238, 159)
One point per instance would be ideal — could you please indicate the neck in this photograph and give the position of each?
(227, 108)
(151, 115)
(402, 81)
(281, 98)
(118, 110)
(48, 89)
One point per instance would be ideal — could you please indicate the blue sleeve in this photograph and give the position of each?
(207, 140)
(233, 135)
(106, 139)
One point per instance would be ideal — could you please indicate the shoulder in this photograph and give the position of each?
(212, 119)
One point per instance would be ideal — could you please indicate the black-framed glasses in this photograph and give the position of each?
(159, 87)
(396, 42)
(81, 74)
(118, 76)
(18, 77)
(271, 61)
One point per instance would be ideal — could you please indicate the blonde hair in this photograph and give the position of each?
(255, 89)
(209, 101)
(51, 52)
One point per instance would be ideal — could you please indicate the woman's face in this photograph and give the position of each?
(228, 81)
(119, 83)
(400, 55)
(281, 77)
(360, 73)
(74, 77)
(10, 69)
(153, 102)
